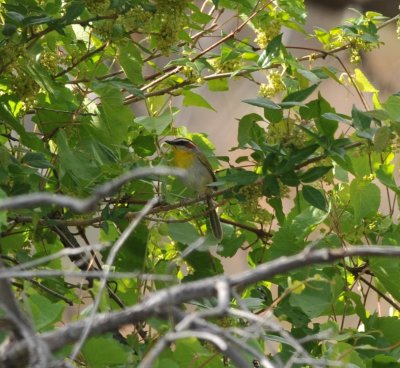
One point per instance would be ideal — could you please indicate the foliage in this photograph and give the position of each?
(88, 91)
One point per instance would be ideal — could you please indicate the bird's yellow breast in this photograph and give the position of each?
(183, 159)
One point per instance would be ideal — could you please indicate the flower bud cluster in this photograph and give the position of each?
(274, 86)
(251, 204)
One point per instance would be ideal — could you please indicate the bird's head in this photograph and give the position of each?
(183, 144)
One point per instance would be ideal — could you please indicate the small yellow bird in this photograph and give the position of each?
(199, 175)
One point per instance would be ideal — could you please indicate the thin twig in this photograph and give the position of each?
(6, 274)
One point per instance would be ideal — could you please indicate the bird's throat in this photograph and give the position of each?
(183, 159)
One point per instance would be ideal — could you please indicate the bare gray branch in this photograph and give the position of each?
(85, 205)
(165, 299)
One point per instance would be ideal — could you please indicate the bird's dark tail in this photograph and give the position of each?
(214, 220)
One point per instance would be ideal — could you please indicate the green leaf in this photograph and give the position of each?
(272, 52)
(144, 145)
(289, 239)
(249, 131)
(314, 197)
(314, 300)
(382, 139)
(218, 85)
(387, 327)
(184, 233)
(263, 102)
(36, 19)
(299, 155)
(193, 99)
(312, 77)
(72, 162)
(241, 177)
(346, 354)
(276, 204)
(340, 118)
(299, 96)
(230, 244)
(115, 116)
(201, 18)
(273, 115)
(105, 351)
(166, 363)
(361, 120)
(156, 124)
(387, 271)
(359, 307)
(131, 63)
(43, 311)
(392, 107)
(15, 17)
(203, 264)
(365, 198)
(289, 177)
(316, 110)
(73, 10)
(285, 311)
(385, 173)
(361, 164)
(270, 186)
(9, 29)
(40, 75)
(362, 82)
(314, 173)
(8, 118)
(37, 159)
(186, 349)
(132, 256)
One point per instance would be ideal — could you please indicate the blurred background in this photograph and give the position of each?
(380, 67)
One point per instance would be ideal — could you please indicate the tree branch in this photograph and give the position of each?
(182, 293)
(85, 205)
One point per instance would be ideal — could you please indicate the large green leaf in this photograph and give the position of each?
(72, 161)
(365, 198)
(314, 300)
(290, 238)
(249, 131)
(29, 139)
(105, 351)
(191, 98)
(43, 311)
(387, 328)
(273, 51)
(314, 197)
(115, 116)
(314, 173)
(132, 256)
(387, 271)
(392, 107)
(316, 110)
(130, 60)
(346, 354)
(301, 95)
(155, 124)
(184, 232)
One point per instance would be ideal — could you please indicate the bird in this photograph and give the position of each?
(199, 175)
